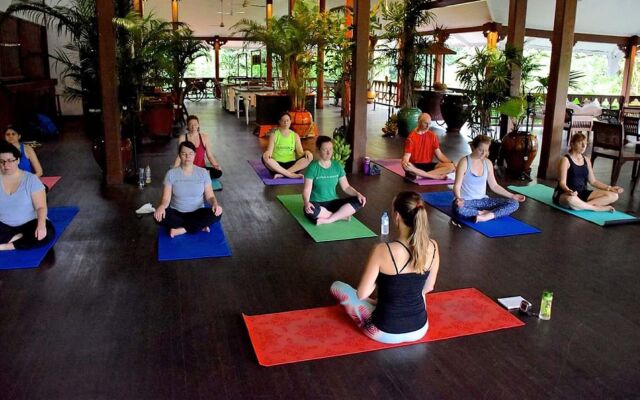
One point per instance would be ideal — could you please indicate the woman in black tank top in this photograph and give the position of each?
(573, 174)
(403, 271)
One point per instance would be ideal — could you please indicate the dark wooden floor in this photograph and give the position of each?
(102, 319)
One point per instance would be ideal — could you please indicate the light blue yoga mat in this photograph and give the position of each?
(499, 227)
(60, 217)
(193, 245)
(544, 195)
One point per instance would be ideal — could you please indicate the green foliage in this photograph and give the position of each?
(292, 41)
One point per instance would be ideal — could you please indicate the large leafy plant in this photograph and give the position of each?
(293, 39)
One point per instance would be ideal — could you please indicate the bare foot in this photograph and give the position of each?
(347, 218)
(485, 216)
(7, 246)
(604, 208)
(322, 221)
(206, 229)
(278, 176)
(437, 176)
(16, 237)
(177, 232)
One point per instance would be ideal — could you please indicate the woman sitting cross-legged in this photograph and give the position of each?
(28, 159)
(203, 153)
(470, 188)
(574, 171)
(186, 188)
(284, 156)
(23, 205)
(321, 202)
(403, 271)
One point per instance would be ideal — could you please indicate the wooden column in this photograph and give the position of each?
(320, 84)
(269, 15)
(515, 39)
(174, 14)
(217, 43)
(109, 91)
(561, 51)
(357, 134)
(292, 5)
(630, 52)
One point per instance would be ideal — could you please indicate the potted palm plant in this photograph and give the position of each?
(292, 40)
(402, 21)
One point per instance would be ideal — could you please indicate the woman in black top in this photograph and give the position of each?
(403, 271)
(573, 174)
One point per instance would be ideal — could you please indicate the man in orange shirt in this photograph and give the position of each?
(420, 147)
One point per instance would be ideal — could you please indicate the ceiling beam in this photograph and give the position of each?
(447, 3)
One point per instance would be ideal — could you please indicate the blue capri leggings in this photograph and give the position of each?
(501, 207)
(360, 311)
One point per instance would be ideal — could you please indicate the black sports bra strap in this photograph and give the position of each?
(410, 256)
(433, 256)
(392, 259)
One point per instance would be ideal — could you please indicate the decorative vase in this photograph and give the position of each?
(301, 122)
(408, 120)
(371, 96)
(429, 102)
(519, 149)
(454, 111)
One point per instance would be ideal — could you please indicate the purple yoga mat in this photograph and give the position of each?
(393, 165)
(268, 179)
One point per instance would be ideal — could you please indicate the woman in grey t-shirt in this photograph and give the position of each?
(23, 205)
(187, 188)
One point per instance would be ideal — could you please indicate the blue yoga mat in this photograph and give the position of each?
(499, 227)
(193, 245)
(60, 217)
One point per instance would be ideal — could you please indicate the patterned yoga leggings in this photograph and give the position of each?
(360, 311)
(500, 206)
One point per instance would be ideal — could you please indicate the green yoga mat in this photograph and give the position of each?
(340, 230)
(544, 194)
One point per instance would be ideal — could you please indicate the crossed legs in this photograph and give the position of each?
(286, 169)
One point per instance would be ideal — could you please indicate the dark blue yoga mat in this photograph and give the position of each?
(60, 217)
(499, 227)
(193, 245)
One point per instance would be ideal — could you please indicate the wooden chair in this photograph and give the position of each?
(608, 142)
(609, 116)
(631, 127)
(579, 123)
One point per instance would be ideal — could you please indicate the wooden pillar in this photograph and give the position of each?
(320, 84)
(561, 51)
(437, 69)
(217, 43)
(515, 39)
(630, 52)
(357, 134)
(137, 7)
(174, 14)
(292, 5)
(109, 91)
(269, 15)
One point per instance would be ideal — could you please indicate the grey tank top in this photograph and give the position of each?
(474, 186)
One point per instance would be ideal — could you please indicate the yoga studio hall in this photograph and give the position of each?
(319, 199)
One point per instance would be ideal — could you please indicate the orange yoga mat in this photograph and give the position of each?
(323, 332)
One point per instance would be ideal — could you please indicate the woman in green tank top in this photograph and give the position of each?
(285, 157)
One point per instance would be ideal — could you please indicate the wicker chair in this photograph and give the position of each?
(608, 142)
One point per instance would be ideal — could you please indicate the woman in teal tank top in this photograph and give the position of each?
(285, 157)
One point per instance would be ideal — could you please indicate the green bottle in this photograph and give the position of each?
(545, 305)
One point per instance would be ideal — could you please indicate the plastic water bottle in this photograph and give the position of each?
(366, 167)
(384, 224)
(141, 178)
(147, 175)
(545, 305)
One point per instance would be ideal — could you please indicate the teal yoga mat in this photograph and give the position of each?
(340, 230)
(544, 194)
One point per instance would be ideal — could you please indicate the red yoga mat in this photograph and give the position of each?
(49, 181)
(323, 332)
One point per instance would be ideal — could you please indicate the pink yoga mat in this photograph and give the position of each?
(50, 181)
(393, 165)
(323, 332)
